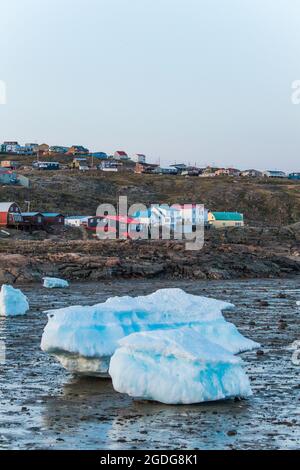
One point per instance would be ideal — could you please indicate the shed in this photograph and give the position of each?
(53, 218)
(10, 214)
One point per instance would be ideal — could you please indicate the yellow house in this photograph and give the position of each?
(226, 219)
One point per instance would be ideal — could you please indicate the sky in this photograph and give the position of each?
(194, 81)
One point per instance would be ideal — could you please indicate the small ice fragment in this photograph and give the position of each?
(55, 283)
(12, 302)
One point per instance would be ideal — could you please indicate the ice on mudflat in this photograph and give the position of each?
(55, 283)
(84, 338)
(176, 367)
(12, 302)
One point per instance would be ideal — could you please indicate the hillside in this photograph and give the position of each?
(271, 202)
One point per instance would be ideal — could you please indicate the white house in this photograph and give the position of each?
(274, 174)
(139, 158)
(120, 155)
(187, 215)
(76, 220)
(109, 166)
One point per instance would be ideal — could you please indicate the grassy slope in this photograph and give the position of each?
(262, 201)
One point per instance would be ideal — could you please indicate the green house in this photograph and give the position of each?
(226, 219)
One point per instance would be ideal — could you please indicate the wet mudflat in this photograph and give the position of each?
(44, 407)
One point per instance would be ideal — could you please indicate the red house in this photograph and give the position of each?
(10, 214)
(120, 155)
(51, 218)
(119, 225)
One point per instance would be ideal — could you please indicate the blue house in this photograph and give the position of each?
(100, 155)
(294, 176)
(46, 165)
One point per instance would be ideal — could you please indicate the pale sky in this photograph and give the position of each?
(205, 81)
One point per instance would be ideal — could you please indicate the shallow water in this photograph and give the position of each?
(44, 407)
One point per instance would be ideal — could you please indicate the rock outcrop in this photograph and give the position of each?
(231, 253)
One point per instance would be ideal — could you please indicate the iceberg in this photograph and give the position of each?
(83, 339)
(55, 283)
(176, 367)
(12, 302)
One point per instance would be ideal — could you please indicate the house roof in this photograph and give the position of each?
(76, 217)
(79, 147)
(121, 152)
(31, 214)
(51, 214)
(47, 163)
(275, 172)
(5, 206)
(236, 216)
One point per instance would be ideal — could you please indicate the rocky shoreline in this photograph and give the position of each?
(227, 254)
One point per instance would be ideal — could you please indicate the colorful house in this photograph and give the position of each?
(8, 177)
(58, 149)
(10, 214)
(252, 173)
(43, 149)
(109, 166)
(294, 176)
(144, 168)
(33, 218)
(53, 218)
(120, 155)
(46, 165)
(274, 174)
(78, 150)
(139, 158)
(226, 219)
(10, 164)
(165, 170)
(227, 172)
(76, 220)
(10, 147)
(99, 155)
(80, 163)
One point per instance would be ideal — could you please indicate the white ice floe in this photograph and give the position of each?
(85, 338)
(55, 283)
(12, 302)
(176, 367)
